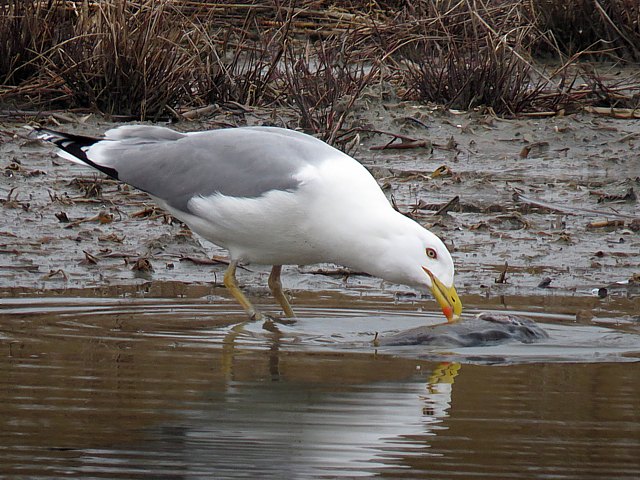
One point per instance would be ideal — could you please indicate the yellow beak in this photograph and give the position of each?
(447, 298)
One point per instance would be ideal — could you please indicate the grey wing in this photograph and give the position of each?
(239, 162)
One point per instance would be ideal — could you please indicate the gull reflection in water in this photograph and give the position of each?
(289, 425)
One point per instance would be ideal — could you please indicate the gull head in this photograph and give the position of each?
(417, 257)
(438, 270)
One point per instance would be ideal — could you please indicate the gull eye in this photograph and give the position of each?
(431, 253)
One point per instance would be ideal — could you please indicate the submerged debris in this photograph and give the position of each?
(502, 278)
(143, 265)
(545, 283)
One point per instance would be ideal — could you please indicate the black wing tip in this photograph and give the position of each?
(75, 145)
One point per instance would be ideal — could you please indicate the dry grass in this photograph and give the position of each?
(466, 54)
(148, 59)
(238, 64)
(322, 82)
(126, 59)
(26, 30)
(604, 28)
(465, 78)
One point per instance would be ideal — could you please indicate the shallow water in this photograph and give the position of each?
(181, 388)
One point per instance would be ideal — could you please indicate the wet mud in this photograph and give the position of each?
(534, 209)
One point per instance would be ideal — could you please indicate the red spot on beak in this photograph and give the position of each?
(448, 312)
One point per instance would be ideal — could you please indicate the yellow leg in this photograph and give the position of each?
(276, 289)
(231, 283)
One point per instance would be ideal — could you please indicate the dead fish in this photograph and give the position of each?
(485, 329)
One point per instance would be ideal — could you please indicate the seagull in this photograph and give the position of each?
(271, 196)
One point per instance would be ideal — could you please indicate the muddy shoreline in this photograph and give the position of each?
(554, 198)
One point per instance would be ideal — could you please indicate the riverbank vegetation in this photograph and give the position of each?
(143, 59)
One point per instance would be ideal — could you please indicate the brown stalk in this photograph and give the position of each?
(147, 59)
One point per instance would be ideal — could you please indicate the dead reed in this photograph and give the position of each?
(26, 30)
(465, 54)
(322, 82)
(464, 78)
(126, 58)
(603, 28)
(148, 59)
(237, 65)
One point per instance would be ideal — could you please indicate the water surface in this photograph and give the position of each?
(180, 388)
